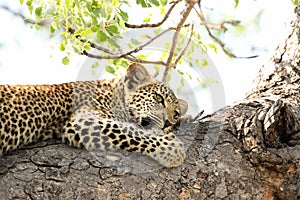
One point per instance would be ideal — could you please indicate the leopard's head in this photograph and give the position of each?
(151, 103)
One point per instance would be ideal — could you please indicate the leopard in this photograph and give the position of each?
(135, 113)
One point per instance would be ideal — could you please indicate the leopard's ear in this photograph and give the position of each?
(183, 105)
(136, 76)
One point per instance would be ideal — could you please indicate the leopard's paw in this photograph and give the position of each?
(170, 152)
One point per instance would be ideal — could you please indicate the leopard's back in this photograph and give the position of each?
(38, 112)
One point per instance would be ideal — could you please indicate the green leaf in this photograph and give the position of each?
(181, 84)
(95, 28)
(167, 45)
(29, 3)
(65, 60)
(30, 8)
(213, 47)
(52, 29)
(114, 2)
(95, 65)
(202, 83)
(163, 2)
(143, 3)
(142, 56)
(180, 72)
(101, 36)
(21, 2)
(103, 12)
(38, 11)
(69, 4)
(116, 61)
(97, 12)
(236, 3)
(157, 68)
(124, 63)
(113, 29)
(113, 43)
(147, 19)
(134, 41)
(37, 27)
(77, 49)
(88, 5)
(86, 32)
(295, 2)
(62, 45)
(197, 62)
(124, 15)
(155, 2)
(110, 69)
(168, 79)
(204, 62)
(87, 46)
(78, 32)
(55, 25)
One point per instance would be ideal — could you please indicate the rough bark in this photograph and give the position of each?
(249, 150)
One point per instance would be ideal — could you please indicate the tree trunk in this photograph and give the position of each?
(250, 150)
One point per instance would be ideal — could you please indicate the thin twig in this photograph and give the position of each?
(128, 57)
(146, 25)
(125, 54)
(99, 56)
(25, 19)
(93, 45)
(220, 42)
(221, 26)
(186, 13)
(186, 46)
(138, 60)
(140, 47)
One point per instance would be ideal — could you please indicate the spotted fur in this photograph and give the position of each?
(135, 113)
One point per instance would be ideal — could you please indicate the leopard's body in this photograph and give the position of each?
(135, 113)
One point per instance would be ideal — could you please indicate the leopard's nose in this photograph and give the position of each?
(167, 123)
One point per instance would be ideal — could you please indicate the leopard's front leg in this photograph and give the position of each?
(86, 130)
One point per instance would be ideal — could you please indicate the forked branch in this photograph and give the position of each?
(128, 54)
(186, 46)
(208, 28)
(185, 15)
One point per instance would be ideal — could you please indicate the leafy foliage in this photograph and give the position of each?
(86, 25)
(94, 21)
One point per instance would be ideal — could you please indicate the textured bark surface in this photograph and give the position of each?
(249, 150)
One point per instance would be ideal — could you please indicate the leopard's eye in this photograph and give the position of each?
(159, 98)
(146, 121)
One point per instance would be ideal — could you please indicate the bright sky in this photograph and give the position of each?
(27, 57)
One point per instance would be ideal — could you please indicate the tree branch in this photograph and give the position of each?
(93, 45)
(146, 25)
(220, 42)
(187, 44)
(221, 26)
(128, 55)
(25, 19)
(186, 13)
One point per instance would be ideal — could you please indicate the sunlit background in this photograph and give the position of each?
(28, 56)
